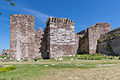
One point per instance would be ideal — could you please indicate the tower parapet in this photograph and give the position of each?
(61, 38)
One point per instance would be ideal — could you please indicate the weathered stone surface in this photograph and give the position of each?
(58, 38)
(38, 42)
(61, 37)
(45, 45)
(104, 48)
(22, 37)
(89, 37)
(115, 45)
(111, 43)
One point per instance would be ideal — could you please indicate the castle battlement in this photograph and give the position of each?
(59, 20)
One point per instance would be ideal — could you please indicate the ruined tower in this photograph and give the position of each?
(58, 38)
(88, 41)
(22, 37)
(38, 42)
(61, 40)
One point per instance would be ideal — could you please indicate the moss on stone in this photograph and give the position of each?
(108, 37)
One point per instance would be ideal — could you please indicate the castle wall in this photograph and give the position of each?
(45, 46)
(38, 42)
(61, 37)
(77, 43)
(94, 33)
(83, 42)
(88, 41)
(22, 37)
(58, 38)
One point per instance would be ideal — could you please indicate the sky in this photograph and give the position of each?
(83, 12)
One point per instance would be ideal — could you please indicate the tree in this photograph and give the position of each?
(11, 2)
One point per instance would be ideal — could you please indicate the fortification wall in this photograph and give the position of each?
(58, 38)
(94, 33)
(45, 46)
(88, 41)
(61, 37)
(22, 37)
(38, 42)
(83, 42)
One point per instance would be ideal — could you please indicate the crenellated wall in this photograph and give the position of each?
(61, 37)
(58, 38)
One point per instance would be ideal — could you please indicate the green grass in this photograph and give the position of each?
(94, 57)
(108, 37)
(7, 68)
(38, 70)
(30, 70)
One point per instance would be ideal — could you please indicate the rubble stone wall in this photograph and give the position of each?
(89, 37)
(84, 42)
(94, 33)
(61, 36)
(58, 38)
(22, 37)
(38, 42)
(45, 46)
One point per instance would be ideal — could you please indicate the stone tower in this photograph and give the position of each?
(22, 37)
(61, 40)
(38, 42)
(88, 41)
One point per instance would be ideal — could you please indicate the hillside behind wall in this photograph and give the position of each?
(109, 43)
(94, 33)
(22, 37)
(61, 37)
(88, 41)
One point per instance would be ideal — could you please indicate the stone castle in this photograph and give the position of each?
(58, 38)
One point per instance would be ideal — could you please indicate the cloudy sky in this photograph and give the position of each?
(83, 12)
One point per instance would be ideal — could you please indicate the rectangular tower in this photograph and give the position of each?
(61, 38)
(22, 36)
(88, 42)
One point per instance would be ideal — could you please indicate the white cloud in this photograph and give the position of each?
(41, 16)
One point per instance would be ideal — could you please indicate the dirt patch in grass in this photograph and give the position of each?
(64, 70)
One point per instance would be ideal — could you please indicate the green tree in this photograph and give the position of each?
(11, 2)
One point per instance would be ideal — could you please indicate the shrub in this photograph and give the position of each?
(93, 57)
(7, 68)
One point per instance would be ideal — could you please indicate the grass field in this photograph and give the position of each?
(63, 70)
